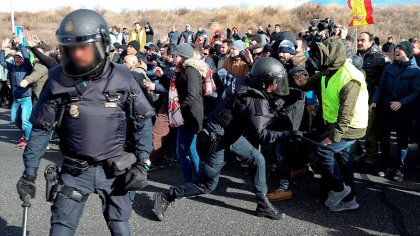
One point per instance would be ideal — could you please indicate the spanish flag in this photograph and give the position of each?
(362, 12)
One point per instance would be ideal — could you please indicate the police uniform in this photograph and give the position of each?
(105, 129)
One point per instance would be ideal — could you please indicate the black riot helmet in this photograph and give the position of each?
(83, 28)
(269, 71)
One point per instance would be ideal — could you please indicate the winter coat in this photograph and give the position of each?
(332, 58)
(115, 37)
(18, 73)
(37, 78)
(149, 35)
(174, 37)
(186, 37)
(400, 81)
(140, 36)
(374, 62)
(189, 83)
(47, 61)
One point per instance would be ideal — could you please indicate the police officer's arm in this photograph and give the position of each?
(140, 114)
(43, 119)
(259, 119)
(348, 99)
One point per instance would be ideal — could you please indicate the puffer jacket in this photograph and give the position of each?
(374, 62)
(399, 82)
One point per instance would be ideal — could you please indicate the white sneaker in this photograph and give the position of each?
(335, 197)
(343, 206)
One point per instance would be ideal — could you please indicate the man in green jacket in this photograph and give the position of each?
(36, 79)
(345, 112)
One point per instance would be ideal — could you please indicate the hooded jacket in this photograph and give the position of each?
(332, 54)
(37, 78)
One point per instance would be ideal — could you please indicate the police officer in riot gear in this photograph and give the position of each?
(104, 123)
(246, 103)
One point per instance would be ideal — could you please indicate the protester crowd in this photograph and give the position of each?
(337, 98)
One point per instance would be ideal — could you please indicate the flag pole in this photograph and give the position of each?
(12, 16)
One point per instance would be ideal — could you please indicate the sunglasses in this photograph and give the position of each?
(205, 54)
(257, 54)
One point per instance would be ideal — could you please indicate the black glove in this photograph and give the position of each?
(136, 178)
(26, 186)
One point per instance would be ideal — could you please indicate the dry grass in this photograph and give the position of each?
(398, 21)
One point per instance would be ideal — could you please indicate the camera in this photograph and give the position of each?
(327, 23)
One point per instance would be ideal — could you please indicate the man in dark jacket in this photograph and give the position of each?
(187, 36)
(149, 33)
(22, 101)
(395, 97)
(389, 47)
(201, 36)
(275, 34)
(374, 62)
(173, 36)
(244, 110)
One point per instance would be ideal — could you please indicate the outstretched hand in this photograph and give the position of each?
(5, 43)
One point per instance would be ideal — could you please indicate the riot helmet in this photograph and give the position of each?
(269, 71)
(83, 31)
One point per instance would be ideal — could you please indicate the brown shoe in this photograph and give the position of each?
(279, 195)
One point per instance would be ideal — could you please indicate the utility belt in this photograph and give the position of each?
(114, 167)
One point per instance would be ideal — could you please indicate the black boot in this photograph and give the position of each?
(265, 209)
(161, 205)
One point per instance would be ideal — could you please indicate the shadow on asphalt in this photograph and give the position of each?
(7, 230)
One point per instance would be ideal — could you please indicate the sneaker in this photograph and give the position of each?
(385, 172)
(344, 206)
(23, 145)
(399, 175)
(279, 195)
(335, 197)
(160, 206)
(21, 139)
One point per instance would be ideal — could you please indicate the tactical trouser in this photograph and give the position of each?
(66, 211)
(213, 165)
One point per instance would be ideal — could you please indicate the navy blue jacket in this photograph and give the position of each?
(400, 81)
(18, 73)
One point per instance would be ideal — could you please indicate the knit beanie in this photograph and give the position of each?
(135, 44)
(407, 47)
(287, 46)
(238, 44)
(184, 50)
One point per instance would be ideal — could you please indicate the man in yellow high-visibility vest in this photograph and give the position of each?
(345, 110)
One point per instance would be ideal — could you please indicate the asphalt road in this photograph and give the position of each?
(387, 207)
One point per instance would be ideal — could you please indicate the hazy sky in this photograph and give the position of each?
(117, 5)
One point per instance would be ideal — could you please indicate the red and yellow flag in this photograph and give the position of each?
(362, 12)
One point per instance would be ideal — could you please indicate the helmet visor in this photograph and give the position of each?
(82, 59)
(280, 85)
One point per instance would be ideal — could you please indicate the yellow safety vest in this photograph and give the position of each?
(331, 96)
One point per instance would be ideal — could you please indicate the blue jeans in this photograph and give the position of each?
(186, 150)
(21, 112)
(338, 171)
(214, 164)
(282, 152)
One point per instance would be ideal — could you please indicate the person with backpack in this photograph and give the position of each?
(243, 111)
(22, 101)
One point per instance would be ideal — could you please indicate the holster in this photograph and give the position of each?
(75, 166)
(51, 179)
(119, 165)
